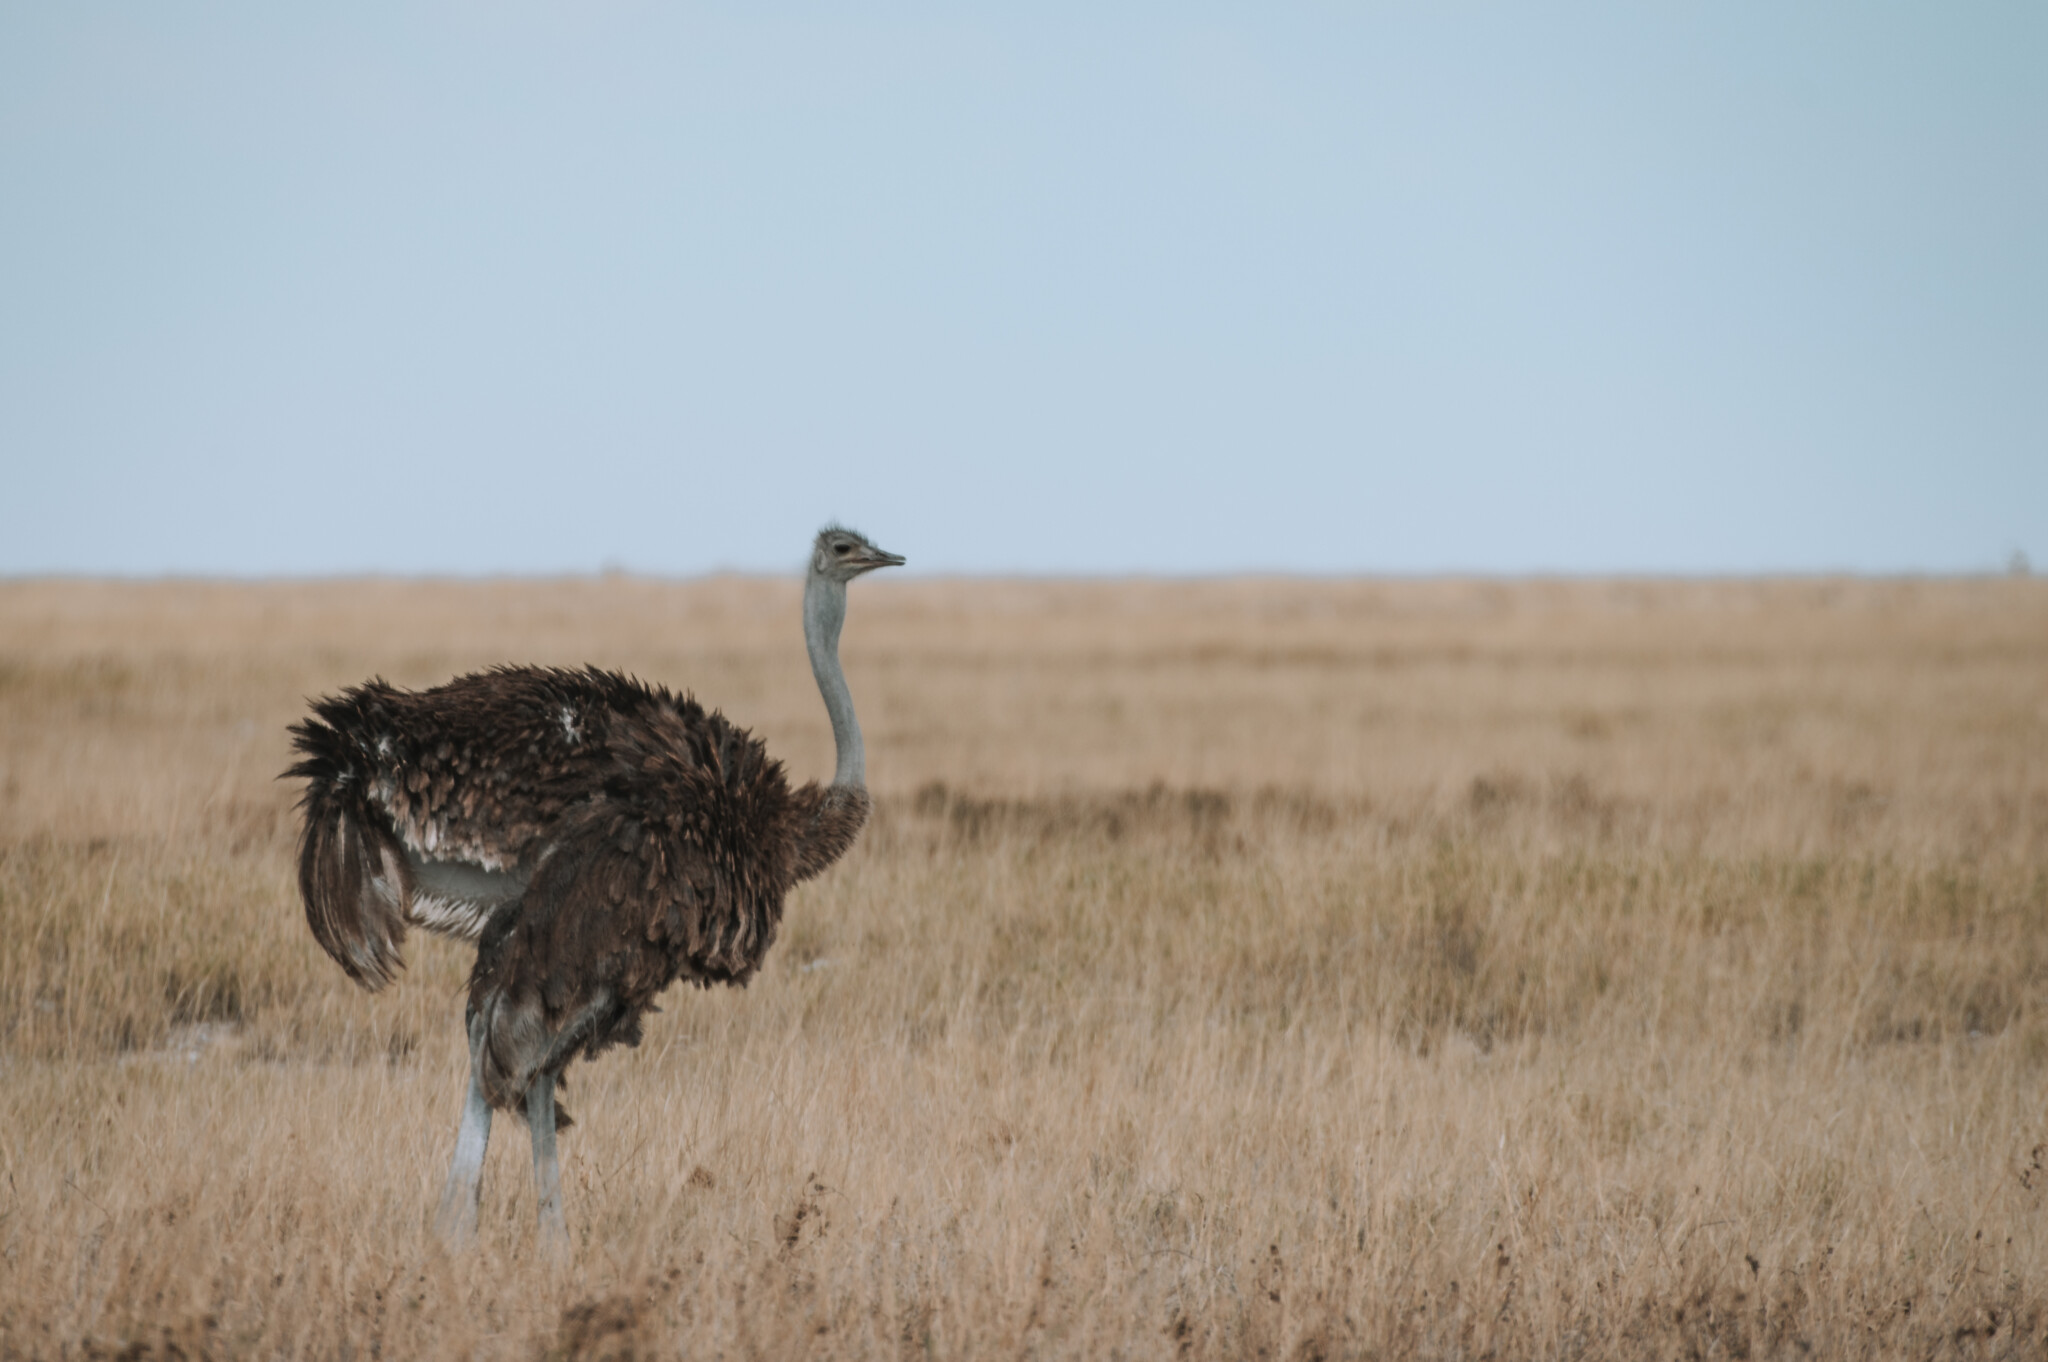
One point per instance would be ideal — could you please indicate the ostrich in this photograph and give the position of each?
(596, 837)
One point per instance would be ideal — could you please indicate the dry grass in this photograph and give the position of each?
(1235, 969)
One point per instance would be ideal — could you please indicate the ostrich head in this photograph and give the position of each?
(840, 555)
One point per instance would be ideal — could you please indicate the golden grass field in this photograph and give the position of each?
(1233, 969)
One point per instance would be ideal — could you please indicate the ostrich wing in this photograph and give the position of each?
(623, 905)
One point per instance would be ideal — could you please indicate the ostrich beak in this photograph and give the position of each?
(872, 558)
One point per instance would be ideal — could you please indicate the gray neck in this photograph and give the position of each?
(824, 612)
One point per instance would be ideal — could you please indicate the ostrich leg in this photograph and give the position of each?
(457, 1218)
(540, 1116)
(547, 1175)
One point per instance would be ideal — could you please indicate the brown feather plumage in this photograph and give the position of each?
(657, 838)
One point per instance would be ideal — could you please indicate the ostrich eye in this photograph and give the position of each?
(846, 548)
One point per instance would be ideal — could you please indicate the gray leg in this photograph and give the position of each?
(547, 1176)
(457, 1218)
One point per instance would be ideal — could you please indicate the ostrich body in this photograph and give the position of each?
(596, 837)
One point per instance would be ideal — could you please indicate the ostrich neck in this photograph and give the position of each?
(824, 613)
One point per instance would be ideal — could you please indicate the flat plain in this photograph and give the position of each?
(1232, 969)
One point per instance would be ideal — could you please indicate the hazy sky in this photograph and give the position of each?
(1063, 288)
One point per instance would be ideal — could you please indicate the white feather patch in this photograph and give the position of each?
(461, 918)
(456, 898)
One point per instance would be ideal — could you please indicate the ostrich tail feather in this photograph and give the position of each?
(353, 873)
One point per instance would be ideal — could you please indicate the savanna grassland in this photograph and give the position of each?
(1279, 969)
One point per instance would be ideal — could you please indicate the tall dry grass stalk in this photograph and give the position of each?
(1233, 969)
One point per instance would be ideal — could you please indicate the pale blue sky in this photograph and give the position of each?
(1059, 288)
